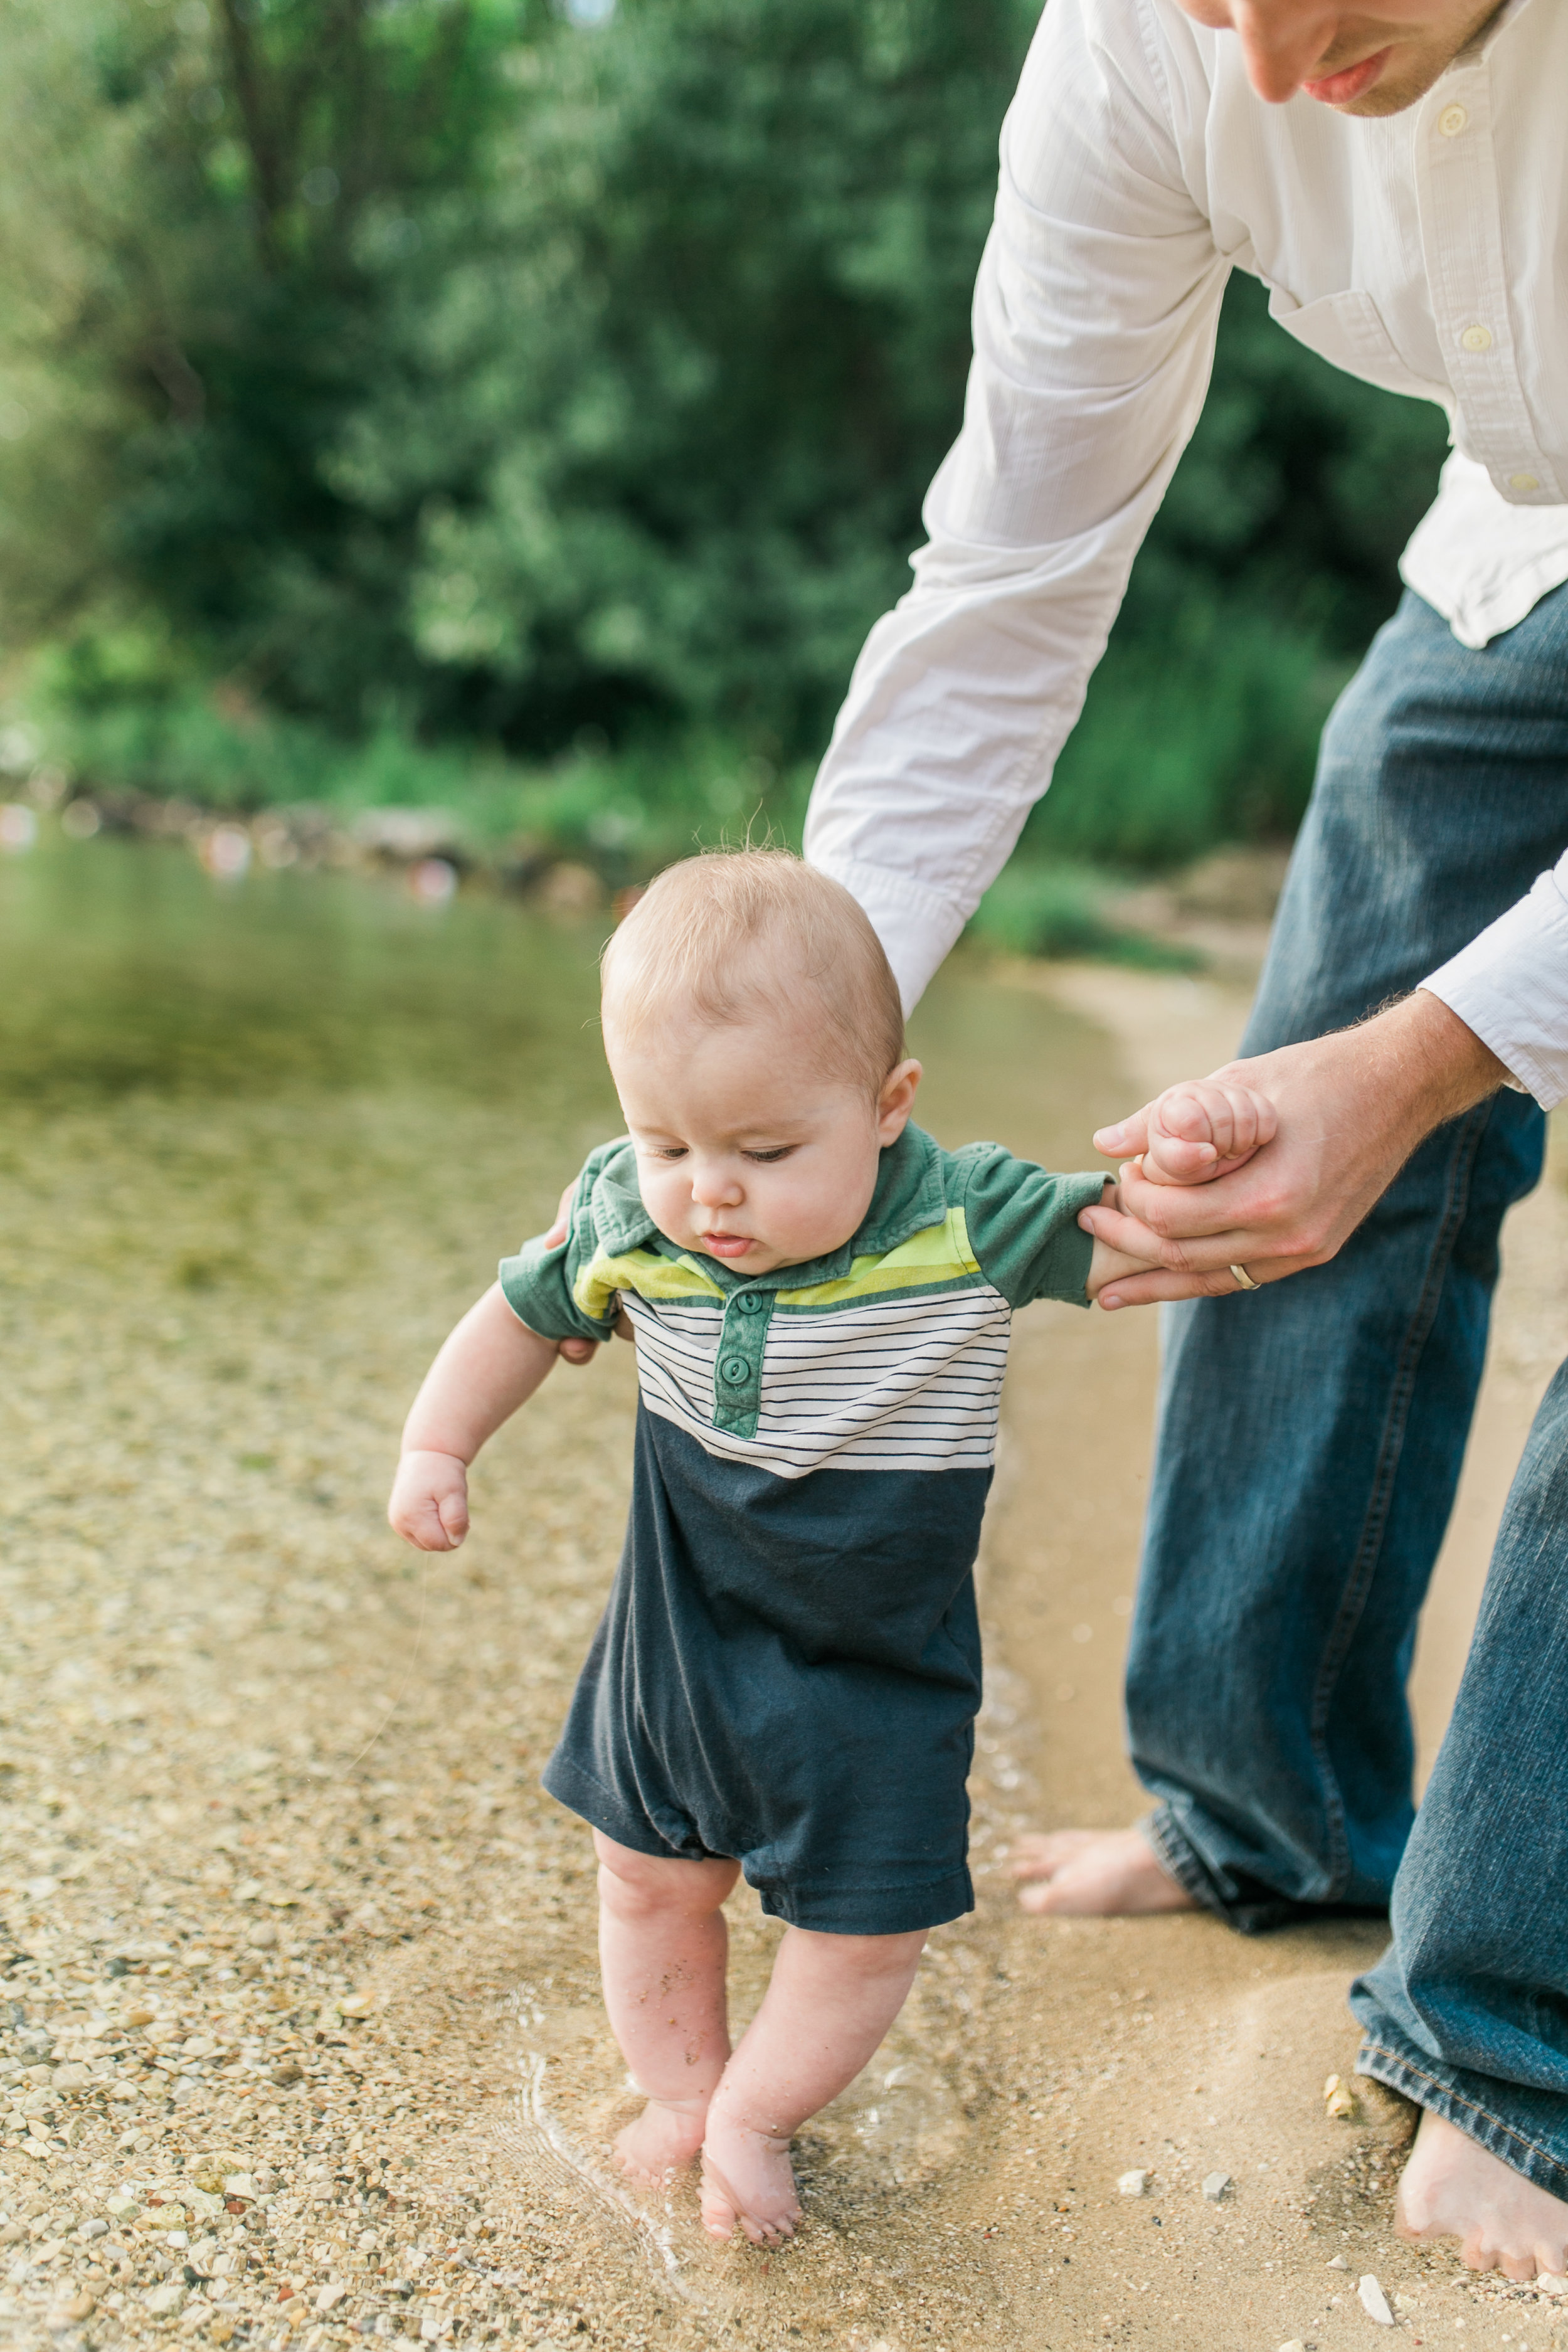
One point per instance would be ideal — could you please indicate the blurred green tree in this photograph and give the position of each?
(494, 373)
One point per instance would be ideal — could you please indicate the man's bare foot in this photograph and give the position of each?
(1454, 2187)
(747, 2184)
(663, 2140)
(1095, 1872)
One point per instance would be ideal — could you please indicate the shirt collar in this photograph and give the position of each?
(910, 1197)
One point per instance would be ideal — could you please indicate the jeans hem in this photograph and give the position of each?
(1178, 1859)
(1411, 2075)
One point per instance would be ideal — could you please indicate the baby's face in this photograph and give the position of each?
(746, 1151)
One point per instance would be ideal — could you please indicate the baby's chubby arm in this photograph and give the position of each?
(489, 1365)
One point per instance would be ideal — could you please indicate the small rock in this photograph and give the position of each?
(329, 2297)
(358, 2004)
(80, 2305)
(287, 2071)
(1133, 2184)
(240, 2184)
(1341, 2101)
(1215, 2185)
(1551, 2283)
(1339, 2264)
(162, 2301)
(1373, 2301)
(1295, 2344)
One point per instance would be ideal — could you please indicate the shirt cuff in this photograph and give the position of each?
(917, 926)
(1510, 986)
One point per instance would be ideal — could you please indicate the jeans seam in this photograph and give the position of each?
(1456, 2098)
(1384, 1475)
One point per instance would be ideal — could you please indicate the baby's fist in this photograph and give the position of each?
(1203, 1129)
(429, 1504)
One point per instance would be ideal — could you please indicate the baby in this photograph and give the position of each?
(787, 1676)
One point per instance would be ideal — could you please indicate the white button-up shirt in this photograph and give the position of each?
(1424, 252)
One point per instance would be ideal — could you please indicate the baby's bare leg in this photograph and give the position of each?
(662, 1947)
(831, 2000)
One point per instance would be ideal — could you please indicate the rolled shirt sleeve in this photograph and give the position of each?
(1510, 986)
(1094, 320)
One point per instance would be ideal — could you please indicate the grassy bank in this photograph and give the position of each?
(1204, 740)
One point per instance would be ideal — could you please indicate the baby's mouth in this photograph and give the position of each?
(728, 1244)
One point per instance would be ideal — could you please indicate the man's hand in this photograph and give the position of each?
(429, 1504)
(1350, 1109)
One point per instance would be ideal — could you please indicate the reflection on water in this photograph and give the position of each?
(123, 966)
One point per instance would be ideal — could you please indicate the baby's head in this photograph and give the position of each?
(756, 1040)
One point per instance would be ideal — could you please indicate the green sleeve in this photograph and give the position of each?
(1023, 1225)
(539, 1283)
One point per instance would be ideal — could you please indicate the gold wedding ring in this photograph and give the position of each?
(1244, 1278)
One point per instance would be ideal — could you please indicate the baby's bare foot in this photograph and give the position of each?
(747, 2183)
(1095, 1872)
(663, 2140)
(1454, 2187)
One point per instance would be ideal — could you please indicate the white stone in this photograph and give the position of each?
(1339, 2264)
(1551, 2283)
(1133, 2184)
(1216, 2186)
(1373, 2301)
(162, 2301)
(1295, 2344)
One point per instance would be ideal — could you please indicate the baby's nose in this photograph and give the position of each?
(715, 1188)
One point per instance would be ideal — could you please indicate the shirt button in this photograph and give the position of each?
(735, 1369)
(1452, 121)
(1523, 482)
(751, 1302)
(1477, 339)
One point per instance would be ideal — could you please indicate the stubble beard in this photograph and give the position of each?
(1426, 65)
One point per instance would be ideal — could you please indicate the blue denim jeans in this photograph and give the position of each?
(1310, 1436)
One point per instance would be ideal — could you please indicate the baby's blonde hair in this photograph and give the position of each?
(738, 932)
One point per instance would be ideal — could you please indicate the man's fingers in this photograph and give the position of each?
(1154, 1288)
(1127, 1137)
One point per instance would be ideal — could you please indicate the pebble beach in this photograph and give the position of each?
(299, 2034)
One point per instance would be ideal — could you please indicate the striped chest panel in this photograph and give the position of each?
(909, 1380)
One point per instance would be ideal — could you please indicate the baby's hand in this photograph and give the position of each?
(429, 1503)
(1203, 1129)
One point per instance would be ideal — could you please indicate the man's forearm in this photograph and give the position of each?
(1433, 1065)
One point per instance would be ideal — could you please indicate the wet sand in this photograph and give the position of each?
(288, 1910)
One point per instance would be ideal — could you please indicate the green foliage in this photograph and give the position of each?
(1059, 910)
(410, 391)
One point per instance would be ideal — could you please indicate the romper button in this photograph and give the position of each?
(749, 1301)
(1477, 339)
(1452, 121)
(734, 1369)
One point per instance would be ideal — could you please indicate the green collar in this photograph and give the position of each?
(909, 1198)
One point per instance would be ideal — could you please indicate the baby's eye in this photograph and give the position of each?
(774, 1153)
(667, 1151)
